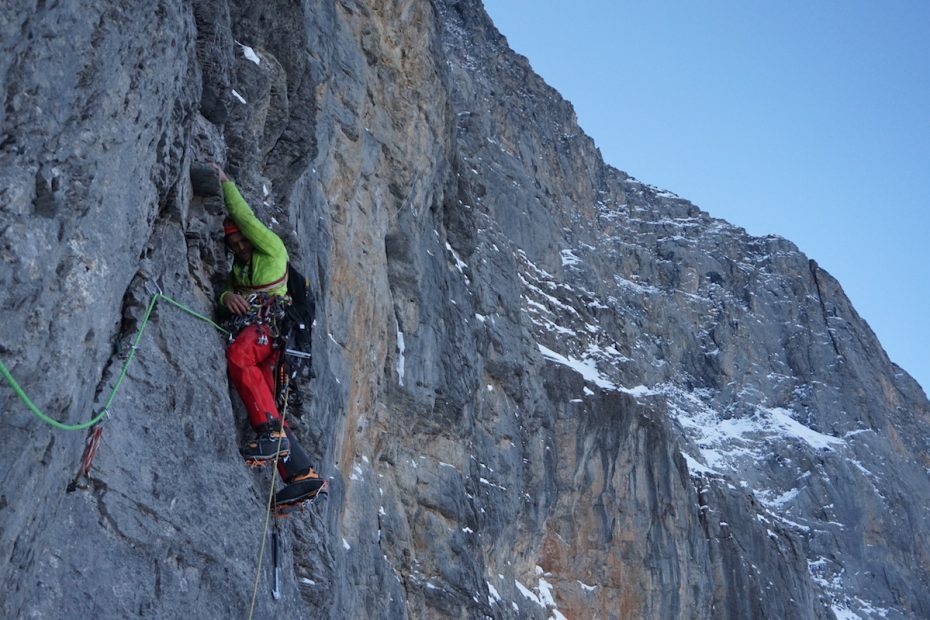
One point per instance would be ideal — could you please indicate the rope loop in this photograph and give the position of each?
(156, 297)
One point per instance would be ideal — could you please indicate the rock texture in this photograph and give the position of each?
(543, 388)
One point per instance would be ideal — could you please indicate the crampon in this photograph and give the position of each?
(258, 463)
(284, 509)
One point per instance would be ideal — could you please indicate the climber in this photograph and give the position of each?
(256, 296)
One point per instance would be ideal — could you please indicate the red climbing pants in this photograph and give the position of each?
(251, 361)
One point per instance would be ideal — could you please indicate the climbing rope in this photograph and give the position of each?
(94, 438)
(122, 375)
(268, 507)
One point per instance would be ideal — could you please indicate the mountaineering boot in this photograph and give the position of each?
(300, 488)
(270, 441)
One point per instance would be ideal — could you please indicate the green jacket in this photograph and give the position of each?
(269, 256)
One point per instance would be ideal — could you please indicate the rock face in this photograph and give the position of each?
(542, 388)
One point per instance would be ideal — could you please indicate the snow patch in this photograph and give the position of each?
(778, 502)
(726, 442)
(491, 484)
(545, 593)
(843, 613)
(569, 258)
(528, 593)
(250, 54)
(401, 362)
(781, 421)
(586, 368)
(639, 390)
(493, 595)
(696, 467)
(459, 263)
(636, 287)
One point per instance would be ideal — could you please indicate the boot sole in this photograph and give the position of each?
(259, 461)
(284, 509)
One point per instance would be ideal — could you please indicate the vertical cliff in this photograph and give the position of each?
(543, 388)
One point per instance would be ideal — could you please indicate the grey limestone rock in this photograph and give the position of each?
(542, 387)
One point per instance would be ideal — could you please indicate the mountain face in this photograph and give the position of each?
(542, 387)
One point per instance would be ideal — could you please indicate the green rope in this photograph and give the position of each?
(223, 330)
(22, 395)
(122, 375)
(132, 355)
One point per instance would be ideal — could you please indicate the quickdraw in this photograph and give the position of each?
(264, 310)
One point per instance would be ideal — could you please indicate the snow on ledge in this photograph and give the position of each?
(401, 361)
(528, 593)
(781, 420)
(696, 467)
(250, 54)
(586, 368)
(569, 258)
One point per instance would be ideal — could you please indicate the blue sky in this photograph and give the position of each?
(809, 120)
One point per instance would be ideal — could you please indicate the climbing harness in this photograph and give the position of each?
(264, 310)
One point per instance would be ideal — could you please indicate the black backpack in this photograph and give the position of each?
(295, 362)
